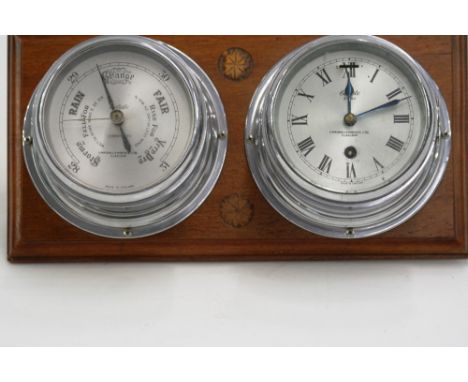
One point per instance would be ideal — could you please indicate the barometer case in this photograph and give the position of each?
(124, 136)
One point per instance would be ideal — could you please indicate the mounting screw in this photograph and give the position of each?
(28, 140)
(222, 135)
(250, 138)
(349, 231)
(445, 135)
(127, 232)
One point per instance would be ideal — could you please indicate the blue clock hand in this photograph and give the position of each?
(349, 91)
(383, 106)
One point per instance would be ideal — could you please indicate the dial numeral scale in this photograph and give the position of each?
(395, 143)
(325, 164)
(306, 146)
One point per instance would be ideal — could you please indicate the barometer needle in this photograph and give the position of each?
(116, 116)
(125, 141)
(384, 106)
(109, 98)
(87, 119)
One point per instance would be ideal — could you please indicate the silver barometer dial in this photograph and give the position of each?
(347, 136)
(124, 136)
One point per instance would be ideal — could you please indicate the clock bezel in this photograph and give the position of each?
(337, 214)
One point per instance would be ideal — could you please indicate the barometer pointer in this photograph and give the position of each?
(109, 98)
(116, 116)
(87, 119)
(125, 141)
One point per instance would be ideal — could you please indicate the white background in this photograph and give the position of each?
(300, 303)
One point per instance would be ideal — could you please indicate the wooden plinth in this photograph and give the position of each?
(236, 223)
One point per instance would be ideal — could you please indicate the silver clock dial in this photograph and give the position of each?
(347, 136)
(357, 157)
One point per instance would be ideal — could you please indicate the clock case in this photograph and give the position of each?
(345, 215)
(236, 222)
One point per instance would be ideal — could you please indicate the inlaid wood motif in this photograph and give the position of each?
(236, 210)
(235, 64)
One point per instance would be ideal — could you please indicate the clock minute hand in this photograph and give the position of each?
(383, 106)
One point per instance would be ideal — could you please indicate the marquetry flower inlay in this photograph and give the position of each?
(235, 63)
(236, 210)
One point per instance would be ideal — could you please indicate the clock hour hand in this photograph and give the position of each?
(349, 91)
(383, 106)
(349, 118)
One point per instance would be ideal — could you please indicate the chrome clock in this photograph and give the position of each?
(124, 136)
(347, 136)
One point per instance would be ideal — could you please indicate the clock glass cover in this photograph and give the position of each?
(347, 136)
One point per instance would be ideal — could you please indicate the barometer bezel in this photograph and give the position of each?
(155, 208)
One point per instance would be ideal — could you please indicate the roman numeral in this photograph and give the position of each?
(401, 118)
(309, 97)
(350, 171)
(306, 146)
(393, 94)
(374, 75)
(352, 68)
(302, 120)
(378, 165)
(323, 75)
(325, 164)
(395, 143)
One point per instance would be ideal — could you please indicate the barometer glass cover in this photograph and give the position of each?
(124, 136)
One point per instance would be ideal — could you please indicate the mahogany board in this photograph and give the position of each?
(251, 229)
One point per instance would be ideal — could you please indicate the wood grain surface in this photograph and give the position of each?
(235, 222)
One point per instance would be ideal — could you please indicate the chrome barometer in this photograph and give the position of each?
(124, 136)
(347, 136)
